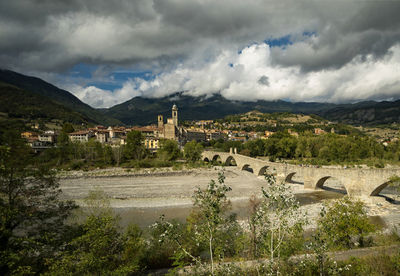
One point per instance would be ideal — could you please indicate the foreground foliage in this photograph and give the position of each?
(344, 224)
(32, 217)
(35, 238)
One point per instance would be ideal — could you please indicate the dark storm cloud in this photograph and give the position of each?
(182, 41)
(372, 30)
(60, 33)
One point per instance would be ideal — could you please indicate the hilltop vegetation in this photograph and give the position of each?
(366, 113)
(141, 110)
(47, 92)
(22, 104)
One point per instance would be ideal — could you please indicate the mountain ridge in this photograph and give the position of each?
(20, 103)
(42, 88)
(142, 111)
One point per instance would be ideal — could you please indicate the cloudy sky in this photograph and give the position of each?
(106, 52)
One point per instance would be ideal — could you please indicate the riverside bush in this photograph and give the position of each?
(344, 223)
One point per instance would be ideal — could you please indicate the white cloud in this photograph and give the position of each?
(101, 98)
(236, 76)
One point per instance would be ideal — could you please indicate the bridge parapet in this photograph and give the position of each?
(357, 181)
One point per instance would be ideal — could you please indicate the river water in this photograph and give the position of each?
(144, 217)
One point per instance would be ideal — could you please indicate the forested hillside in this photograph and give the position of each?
(19, 103)
(53, 93)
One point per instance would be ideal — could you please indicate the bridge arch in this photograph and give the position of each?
(217, 159)
(289, 177)
(230, 161)
(321, 181)
(379, 189)
(263, 170)
(333, 187)
(205, 159)
(246, 167)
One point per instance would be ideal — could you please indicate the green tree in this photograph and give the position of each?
(63, 147)
(172, 241)
(68, 128)
(344, 223)
(211, 205)
(169, 150)
(62, 139)
(108, 155)
(101, 248)
(32, 217)
(256, 147)
(209, 228)
(277, 221)
(192, 151)
(96, 252)
(134, 148)
(93, 150)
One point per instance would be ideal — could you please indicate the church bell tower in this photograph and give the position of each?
(175, 115)
(160, 121)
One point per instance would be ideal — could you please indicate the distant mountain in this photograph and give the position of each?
(30, 96)
(365, 113)
(54, 94)
(145, 110)
(19, 103)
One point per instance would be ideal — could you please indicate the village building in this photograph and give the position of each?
(267, 134)
(29, 134)
(151, 136)
(38, 146)
(239, 138)
(203, 123)
(152, 144)
(252, 135)
(293, 133)
(81, 136)
(195, 135)
(116, 132)
(48, 136)
(103, 136)
(214, 135)
(319, 131)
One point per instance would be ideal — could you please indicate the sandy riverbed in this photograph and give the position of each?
(142, 198)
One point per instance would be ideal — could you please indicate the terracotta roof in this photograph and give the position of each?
(145, 128)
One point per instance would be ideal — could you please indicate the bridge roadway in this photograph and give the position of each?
(357, 181)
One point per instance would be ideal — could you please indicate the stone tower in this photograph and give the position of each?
(175, 115)
(160, 121)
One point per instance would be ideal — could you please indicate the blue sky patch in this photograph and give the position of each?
(110, 81)
(279, 42)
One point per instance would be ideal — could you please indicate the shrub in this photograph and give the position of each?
(344, 223)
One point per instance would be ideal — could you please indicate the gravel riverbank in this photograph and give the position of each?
(142, 195)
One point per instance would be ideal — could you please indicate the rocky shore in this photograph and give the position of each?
(120, 172)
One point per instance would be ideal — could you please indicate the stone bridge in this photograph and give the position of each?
(356, 181)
